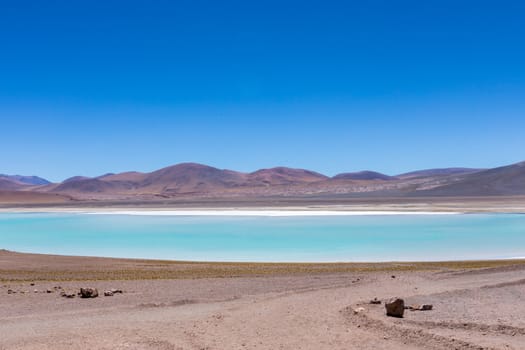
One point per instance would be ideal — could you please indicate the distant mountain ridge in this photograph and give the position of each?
(15, 182)
(27, 180)
(186, 178)
(198, 180)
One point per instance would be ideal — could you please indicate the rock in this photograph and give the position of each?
(358, 310)
(108, 293)
(393, 276)
(49, 291)
(10, 291)
(375, 301)
(88, 292)
(65, 294)
(32, 284)
(424, 307)
(395, 307)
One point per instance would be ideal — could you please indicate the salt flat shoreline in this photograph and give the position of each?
(494, 204)
(227, 212)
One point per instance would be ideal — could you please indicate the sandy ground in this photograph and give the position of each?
(274, 306)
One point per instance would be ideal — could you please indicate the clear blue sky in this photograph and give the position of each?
(88, 87)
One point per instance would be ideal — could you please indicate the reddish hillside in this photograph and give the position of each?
(190, 178)
(29, 197)
(87, 186)
(284, 176)
(185, 178)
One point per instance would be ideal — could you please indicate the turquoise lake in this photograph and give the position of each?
(259, 238)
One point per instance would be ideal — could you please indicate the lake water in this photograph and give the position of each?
(261, 238)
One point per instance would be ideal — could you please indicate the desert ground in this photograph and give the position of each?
(184, 305)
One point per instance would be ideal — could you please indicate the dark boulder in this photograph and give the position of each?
(88, 292)
(395, 307)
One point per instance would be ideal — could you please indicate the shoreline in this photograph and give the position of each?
(293, 206)
(393, 262)
(40, 266)
(228, 212)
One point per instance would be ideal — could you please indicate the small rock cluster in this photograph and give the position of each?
(395, 307)
(47, 291)
(87, 293)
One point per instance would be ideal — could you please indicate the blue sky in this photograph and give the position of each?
(88, 87)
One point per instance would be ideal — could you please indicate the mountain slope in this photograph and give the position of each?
(85, 186)
(504, 181)
(437, 172)
(363, 175)
(76, 178)
(7, 184)
(191, 177)
(283, 176)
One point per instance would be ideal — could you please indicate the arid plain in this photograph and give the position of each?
(184, 305)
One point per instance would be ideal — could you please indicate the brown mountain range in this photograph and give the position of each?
(197, 180)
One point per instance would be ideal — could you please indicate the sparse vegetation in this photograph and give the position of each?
(154, 269)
